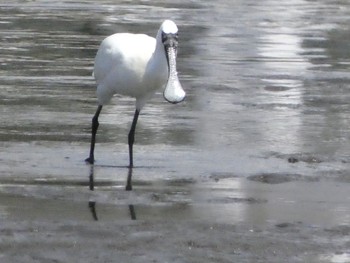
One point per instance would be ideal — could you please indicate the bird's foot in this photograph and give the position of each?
(89, 160)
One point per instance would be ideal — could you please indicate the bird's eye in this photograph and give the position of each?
(164, 37)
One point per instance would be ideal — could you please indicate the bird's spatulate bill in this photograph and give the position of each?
(173, 92)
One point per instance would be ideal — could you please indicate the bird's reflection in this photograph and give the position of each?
(132, 212)
(91, 178)
(128, 187)
(92, 207)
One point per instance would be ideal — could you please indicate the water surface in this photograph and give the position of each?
(268, 94)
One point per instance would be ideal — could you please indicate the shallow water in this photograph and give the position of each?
(262, 137)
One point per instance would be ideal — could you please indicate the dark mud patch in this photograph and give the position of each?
(300, 157)
(219, 176)
(276, 178)
(231, 200)
(340, 176)
(339, 230)
(277, 88)
(181, 182)
(305, 159)
(313, 158)
(289, 226)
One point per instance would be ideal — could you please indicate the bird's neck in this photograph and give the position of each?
(158, 66)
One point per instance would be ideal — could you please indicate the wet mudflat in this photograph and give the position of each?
(252, 167)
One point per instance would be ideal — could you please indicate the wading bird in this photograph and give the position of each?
(136, 65)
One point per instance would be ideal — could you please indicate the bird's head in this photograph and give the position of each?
(173, 92)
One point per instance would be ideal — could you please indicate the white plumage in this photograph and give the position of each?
(136, 65)
(120, 67)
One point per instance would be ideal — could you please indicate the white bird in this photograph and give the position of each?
(136, 65)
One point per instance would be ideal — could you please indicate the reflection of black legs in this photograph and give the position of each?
(132, 212)
(94, 128)
(131, 137)
(91, 178)
(128, 186)
(92, 206)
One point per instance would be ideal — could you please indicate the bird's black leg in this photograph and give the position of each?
(128, 186)
(131, 137)
(95, 124)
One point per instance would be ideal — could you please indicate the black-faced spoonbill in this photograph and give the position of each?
(136, 65)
